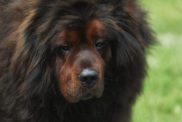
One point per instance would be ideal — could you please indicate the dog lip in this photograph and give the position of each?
(87, 96)
(90, 95)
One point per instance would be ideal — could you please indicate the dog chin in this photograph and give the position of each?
(83, 97)
(91, 95)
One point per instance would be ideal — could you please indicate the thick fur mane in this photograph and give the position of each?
(28, 85)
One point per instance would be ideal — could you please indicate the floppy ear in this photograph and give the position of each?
(125, 49)
(30, 67)
(139, 23)
(131, 18)
(133, 37)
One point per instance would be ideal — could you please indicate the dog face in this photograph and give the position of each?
(73, 43)
(76, 41)
(81, 49)
(81, 53)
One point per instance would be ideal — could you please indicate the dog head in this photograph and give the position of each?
(71, 45)
(81, 50)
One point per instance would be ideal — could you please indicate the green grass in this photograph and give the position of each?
(161, 100)
(165, 16)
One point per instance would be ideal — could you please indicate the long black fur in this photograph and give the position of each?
(28, 87)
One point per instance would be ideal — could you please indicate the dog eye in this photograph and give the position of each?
(99, 44)
(63, 49)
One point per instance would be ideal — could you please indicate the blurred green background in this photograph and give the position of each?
(161, 99)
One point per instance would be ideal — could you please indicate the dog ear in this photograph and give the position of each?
(140, 26)
(133, 20)
(30, 62)
(125, 49)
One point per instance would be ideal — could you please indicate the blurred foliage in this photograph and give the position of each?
(165, 16)
(161, 100)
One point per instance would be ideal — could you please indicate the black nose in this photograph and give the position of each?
(88, 77)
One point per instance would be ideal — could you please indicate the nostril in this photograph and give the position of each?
(88, 77)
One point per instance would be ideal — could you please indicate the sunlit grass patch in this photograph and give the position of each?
(165, 15)
(161, 100)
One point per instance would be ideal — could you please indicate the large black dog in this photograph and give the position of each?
(71, 60)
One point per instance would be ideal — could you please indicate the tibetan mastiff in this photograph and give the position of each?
(71, 60)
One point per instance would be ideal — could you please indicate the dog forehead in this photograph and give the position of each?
(68, 36)
(93, 29)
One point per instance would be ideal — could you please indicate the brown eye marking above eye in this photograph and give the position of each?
(73, 36)
(61, 44)
(61, 38)
(95, 29)
(70, 37)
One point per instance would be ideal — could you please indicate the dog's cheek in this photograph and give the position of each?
(67, 82)
(59, 73)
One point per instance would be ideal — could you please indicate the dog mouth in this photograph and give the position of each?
(84, 95)
(90, 94)
(87, 96)
(74, 95)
